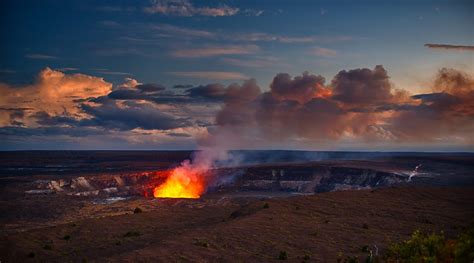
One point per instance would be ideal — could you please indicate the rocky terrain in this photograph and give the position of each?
(313, 210)
(219, 228)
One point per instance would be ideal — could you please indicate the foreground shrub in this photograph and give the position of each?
(48, 247)
(201, 243)
(283, 255)
(464, 249)
(132, 234)
(422, 247)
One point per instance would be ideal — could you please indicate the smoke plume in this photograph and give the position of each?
(359, 105)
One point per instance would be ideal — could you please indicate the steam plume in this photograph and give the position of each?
(357, 105)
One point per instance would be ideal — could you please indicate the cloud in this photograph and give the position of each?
(454, 82)
(258, 62)
(212, 75)
(127, 94)
(109, 72)
(362, 86)
(186, 8)
(215, 51)
(453, 47)
(18, 132)
(447, 112)
(181, 31)
(301, 88)
(231, 93)
(180, 86)
(40, 56)
(156, 33)
(53, 92)
(119, 52)
(324, 52)
(177, 134)
(211, 91)
(236, 111)
(150, 87)
(66, 69)
(266, 37)
(133, 90)
(253, 12)
(127, 83)
(116, 8)
(130, 116)
(76, 109)
(357, 106)
(110, 114)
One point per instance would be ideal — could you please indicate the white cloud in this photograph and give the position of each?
(40, 56)
(259, 62)
(215, 51)
(186, 8)
(324, 52)
(66, 69)
(182, 31)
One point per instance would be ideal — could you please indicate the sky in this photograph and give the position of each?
(180, 74)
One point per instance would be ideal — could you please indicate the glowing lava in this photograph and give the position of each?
(182, 183)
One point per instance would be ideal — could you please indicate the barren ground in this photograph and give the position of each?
(220, 229)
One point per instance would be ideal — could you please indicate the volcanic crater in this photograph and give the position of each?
(245, 212)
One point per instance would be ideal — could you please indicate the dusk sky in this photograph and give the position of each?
(177, 74)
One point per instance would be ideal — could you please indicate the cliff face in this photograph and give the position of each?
(339, 178)
(305, 178)
(311, 178)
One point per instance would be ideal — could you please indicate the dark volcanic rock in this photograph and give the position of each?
(308, 178)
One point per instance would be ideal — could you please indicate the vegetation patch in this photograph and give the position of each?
(283, 255)
(201, 243)
(365, 249)
(132, 234)
(424, 247)
(48, 247)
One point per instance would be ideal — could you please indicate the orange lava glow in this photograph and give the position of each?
(182, 183)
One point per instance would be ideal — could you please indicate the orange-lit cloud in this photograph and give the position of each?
(53, 92)
(358, 106)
